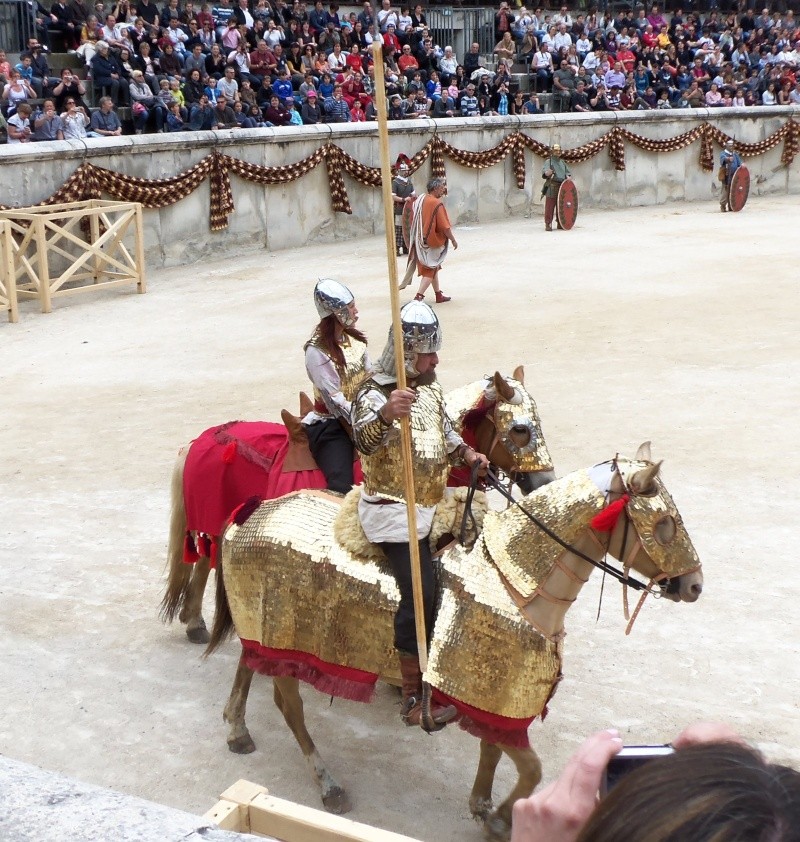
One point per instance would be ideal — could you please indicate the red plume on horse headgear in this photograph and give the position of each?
(606, 520)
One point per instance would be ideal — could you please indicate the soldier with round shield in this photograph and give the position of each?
(435, 446)
(729, 164)
(554, 172)
(337, 362)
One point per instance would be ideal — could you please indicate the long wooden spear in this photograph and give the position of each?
(394, 294)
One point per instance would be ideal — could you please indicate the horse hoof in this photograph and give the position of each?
(481, 809)
(242, 745)
(198, 635)
(337, 801)
(496, 829)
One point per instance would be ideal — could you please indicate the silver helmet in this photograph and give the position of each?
(333, 299)
(421, 335)
(421, 331)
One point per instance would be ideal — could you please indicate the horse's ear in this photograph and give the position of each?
(519, 373)
(642, 481)
(504, 390)
(643, 453)
(306, 405)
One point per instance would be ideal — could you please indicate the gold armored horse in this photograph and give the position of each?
(226, 465)
(307, 609)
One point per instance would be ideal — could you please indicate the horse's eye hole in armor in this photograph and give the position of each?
(520, 435)
(665, 530)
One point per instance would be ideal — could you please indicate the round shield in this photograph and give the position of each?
(408, 214)
(739, 189)
(567, 204)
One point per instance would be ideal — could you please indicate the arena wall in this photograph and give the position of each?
(299, 213)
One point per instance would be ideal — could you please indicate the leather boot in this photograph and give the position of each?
(411, 709)
(441, 297)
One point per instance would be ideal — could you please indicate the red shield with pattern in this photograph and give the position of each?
(739, 189)
(567, 204)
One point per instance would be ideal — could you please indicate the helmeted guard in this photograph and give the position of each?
(435, 446)
(729, 162)
(555, 172)
(337, 362)
(402, 190)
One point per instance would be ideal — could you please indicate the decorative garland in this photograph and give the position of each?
(89, 181)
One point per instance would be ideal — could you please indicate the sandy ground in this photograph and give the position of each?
(675, 324)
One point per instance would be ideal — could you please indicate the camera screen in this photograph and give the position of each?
(628, 759)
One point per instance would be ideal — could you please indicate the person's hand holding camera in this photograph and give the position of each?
(559, 811)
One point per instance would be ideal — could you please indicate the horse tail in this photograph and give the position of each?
(222, 628)
(179, 573)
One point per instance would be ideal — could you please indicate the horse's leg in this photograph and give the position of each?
(290, 704)
(529, 769)
(239, 739)
(480, 799)
(192, 611)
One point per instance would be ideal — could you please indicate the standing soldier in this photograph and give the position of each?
(435, 446)
(555, 171)
(729, 162)
(402, 191)
(337, 363)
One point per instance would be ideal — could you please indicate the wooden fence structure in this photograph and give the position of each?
(246, 807)
(50, 251)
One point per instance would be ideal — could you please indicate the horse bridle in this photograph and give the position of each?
(620, 575)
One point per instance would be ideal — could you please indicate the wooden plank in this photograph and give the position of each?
(8, 278)
(292, 822)
(44, 269)
(139, 235)
(226, 815)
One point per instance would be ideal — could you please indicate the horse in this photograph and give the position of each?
(307, 608)
(232, 462)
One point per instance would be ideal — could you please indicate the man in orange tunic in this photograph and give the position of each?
(431, 234)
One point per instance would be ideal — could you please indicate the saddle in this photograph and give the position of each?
(298, 455)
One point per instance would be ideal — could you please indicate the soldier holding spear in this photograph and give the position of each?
(407, 445)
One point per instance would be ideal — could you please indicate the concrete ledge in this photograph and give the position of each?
(40, 806)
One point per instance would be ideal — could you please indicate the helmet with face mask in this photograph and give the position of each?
(334, 299)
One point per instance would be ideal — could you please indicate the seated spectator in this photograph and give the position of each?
(75, 120)
(579, 101)
(397, 110)
(769, 97)
(335, 107)
(713, 96)
(228, 87)
(407, 63)
(18, 124)
(224, 116)
(47, 124)
(42, 81)
(469, 102)
(15, 92)
(201, 115)
(444, 107)
(107, 73)
(310, 111)
(105, 121)
(168, 63)
(277, 114)
(713, 787)
(532, 105)
(542, 68)
(506, 48)
(175, 121)
(144, 105)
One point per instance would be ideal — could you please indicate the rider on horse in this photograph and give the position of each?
(337, 363)
(435, 446)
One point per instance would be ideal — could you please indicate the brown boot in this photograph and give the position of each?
(411, 710)
(441, 298)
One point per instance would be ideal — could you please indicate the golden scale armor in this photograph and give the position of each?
(290, 586)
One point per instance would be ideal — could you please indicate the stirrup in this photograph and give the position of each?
(419, 297)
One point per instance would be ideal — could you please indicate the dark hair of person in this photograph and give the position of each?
(327, 333)
(714, 792)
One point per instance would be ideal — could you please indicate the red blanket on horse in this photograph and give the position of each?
(230, 463)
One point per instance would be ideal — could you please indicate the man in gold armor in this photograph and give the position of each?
(435, 446)
(337, 363)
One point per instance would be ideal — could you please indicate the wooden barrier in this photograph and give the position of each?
(93, 258)
(248, 808)
(8, 279)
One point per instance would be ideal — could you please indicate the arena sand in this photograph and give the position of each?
(675, 324)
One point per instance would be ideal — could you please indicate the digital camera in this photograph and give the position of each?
(628, 759)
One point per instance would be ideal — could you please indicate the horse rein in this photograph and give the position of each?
(620, 575)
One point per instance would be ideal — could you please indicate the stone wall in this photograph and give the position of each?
(299, 213)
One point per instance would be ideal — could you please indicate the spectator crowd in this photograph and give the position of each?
(251, 63)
